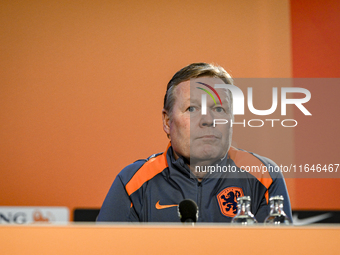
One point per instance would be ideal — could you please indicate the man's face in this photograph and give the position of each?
(192, 134)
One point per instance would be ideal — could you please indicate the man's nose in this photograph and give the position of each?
(207, 119)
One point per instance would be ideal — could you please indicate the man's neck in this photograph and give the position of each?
(199, 167)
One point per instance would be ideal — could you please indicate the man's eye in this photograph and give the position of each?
(219, 109)
(191, 109)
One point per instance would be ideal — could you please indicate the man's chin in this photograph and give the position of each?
(206, 156)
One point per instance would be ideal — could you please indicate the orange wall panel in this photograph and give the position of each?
(316, 53)
(82, 85)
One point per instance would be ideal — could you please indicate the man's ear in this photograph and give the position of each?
(166, 122)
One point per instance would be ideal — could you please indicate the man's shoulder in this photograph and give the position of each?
(129, 172)
(244, 159)
(265, 160)
(244, 156)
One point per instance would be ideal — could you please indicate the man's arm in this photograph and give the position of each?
(277, 187)
(117, 205)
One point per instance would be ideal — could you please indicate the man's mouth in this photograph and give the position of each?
(208, 137)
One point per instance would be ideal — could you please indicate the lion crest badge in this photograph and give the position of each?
(227, 200)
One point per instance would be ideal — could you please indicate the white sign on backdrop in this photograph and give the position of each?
(34, 215)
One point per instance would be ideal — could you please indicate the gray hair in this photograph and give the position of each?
(196, 70)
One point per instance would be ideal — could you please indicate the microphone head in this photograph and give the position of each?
(188, 211)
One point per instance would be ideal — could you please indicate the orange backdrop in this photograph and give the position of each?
(82, 85)
(316, 53)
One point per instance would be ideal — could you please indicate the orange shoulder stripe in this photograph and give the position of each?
(244, 159)
(150, 169)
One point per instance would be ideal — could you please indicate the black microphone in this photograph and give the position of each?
(188, 211)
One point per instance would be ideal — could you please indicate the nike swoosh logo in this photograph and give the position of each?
(158, 206)
(310, 220)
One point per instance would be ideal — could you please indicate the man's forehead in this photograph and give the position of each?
(206, 82)
(206, 85)
(189, 90)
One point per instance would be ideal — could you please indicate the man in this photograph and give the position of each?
(199, 163)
